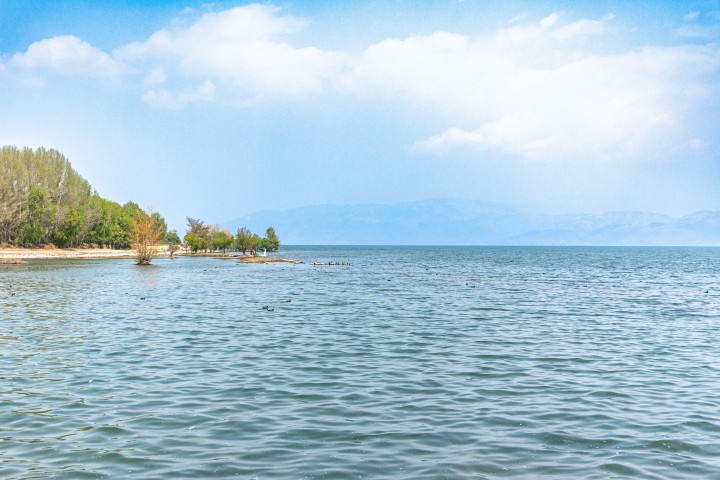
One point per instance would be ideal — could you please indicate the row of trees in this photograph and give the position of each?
(207, 237)
(43, 200)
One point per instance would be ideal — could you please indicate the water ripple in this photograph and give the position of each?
(410, 363)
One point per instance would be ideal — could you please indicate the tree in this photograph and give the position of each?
(199, 234)
(145, 235)
(173, 242)
(172, 237)
(195, 242)
(40, 213)
(221, 239)
(242, 239)
(272, 240)
(113, 224)
(255, 242)
(161, 225)
(43, 199)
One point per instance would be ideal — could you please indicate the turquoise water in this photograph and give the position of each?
(408, 363)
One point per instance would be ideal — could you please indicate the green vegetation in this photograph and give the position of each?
(173, 242)
(43, 200)
(211, 238)
(271, 240)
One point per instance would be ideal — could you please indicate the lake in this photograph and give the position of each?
(410, 362)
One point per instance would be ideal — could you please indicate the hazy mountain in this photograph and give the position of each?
(472, 222)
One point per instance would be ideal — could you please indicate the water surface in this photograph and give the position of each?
(408, 363)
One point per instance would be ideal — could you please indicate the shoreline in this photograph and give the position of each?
(7, 253)
(15, 255)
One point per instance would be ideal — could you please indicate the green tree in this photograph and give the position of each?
(161, 225)
(272, 241)
(242, 239)
(255, 243)
(195, 242)
(132, 209)
(172, 237)
(113, 224)
(43, 199)
(73, 229)
(201, 230)
(173, 242)
(40, 214)
(221, 239)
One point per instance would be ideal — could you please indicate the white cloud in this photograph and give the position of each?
(580, 28)
(544, 89)
(611, 108)
(241, 47)
(536, 92)
(178, 100)
(156, 76)
(550, 20)
(67, 55)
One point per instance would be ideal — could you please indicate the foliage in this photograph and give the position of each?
(173, 241)
(221, 239)
(198, 235)
(161, 225)
(271, 240)
(145, 235)
(242, 239)
(195, 242)
(246, 240)
(171, 237)
(44, 200)
(255, 243)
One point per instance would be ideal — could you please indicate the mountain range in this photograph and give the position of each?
(475, 222)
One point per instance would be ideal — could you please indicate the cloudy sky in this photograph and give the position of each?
(216, 110)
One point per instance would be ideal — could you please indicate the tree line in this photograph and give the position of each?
(207, 237)
(43, 200)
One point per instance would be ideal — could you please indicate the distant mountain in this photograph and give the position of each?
(473, 222)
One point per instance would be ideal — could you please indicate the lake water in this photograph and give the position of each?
(408, 363)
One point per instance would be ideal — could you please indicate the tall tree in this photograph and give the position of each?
(43, 199)
(221, 238)
(198, 235)
(161, 225)
(242, 239)
(173, 241)
(273, 242)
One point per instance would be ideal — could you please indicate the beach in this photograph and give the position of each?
(11, 255)
(32, 253)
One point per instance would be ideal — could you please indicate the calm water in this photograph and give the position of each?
(409, 363)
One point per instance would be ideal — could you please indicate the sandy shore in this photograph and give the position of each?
(9, 255)
(29, 253)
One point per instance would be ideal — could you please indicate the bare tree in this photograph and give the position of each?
(145, 234)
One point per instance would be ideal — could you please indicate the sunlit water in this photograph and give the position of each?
(408, 363)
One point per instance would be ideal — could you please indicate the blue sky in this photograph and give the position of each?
(216, 110)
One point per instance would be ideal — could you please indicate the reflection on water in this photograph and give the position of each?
(408, 363)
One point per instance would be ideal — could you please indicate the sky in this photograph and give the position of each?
(217, 110)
